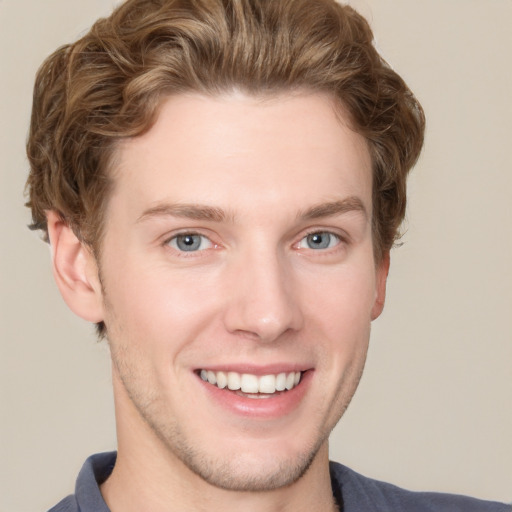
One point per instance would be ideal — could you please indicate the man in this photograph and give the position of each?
(221, 184)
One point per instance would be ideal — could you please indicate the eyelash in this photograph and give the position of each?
(172, 242)
(321, 235)
(339, 240)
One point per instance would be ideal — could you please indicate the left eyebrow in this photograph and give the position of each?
(349, 204)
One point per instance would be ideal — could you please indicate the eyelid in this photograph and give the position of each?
(341, 236)
(338, 239)
(173, 242)
(169, 238)
(339, 233)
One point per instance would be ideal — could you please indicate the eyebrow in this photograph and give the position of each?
(333, 208)
(215, 214)
(188, 211)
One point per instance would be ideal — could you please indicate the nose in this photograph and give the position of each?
(261, 300)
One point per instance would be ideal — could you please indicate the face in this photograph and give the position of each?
(239, 283)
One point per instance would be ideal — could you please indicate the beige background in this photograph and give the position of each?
(434, 410)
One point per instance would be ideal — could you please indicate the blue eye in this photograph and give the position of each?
(319, 240)
(190, 242)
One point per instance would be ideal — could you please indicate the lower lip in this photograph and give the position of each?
(275, 406)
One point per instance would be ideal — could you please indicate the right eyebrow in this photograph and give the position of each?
(188, 211)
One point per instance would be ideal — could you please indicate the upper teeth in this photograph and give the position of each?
(249, 383)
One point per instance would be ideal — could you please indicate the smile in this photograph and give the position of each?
(252, 384)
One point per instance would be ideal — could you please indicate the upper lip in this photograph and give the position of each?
(253, 369)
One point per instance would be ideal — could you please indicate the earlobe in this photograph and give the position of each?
(380, 288)
(75, 270)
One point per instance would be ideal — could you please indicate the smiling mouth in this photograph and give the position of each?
(252, 386)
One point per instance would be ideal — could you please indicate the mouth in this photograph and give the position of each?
(252, 386)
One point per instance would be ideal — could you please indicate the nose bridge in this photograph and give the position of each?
(262, 303)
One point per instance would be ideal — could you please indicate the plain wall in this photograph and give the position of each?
(434, 409)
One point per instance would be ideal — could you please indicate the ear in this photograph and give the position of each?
(75, 270)
(380, 288)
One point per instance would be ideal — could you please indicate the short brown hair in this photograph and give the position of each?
(109, 84)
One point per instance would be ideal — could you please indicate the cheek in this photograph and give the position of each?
(154, 306)
(340, 318)
(342, 301)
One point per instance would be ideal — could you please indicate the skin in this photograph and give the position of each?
(250, 178)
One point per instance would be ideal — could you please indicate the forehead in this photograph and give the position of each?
(238, 151)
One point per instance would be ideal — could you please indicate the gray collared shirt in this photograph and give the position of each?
(352, 491)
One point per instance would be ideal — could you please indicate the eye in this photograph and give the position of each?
(319, 240)
(190, 242)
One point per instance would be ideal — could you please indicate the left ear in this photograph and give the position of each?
(380, 285)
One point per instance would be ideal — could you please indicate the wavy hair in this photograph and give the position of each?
(109, 84)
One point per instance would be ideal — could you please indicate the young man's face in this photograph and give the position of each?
(238, 247)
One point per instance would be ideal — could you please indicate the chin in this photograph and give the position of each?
(254, 468)
(248, 472)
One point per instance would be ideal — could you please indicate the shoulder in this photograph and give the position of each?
(68, 504)
(358, 492)
(87, 497)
